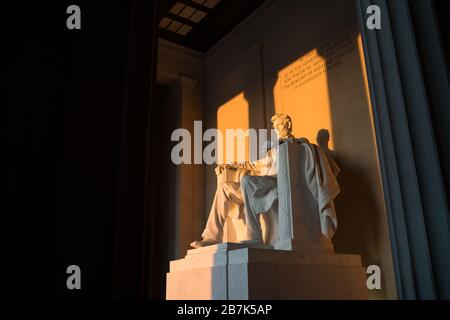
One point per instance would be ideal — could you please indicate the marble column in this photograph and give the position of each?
(417, 209)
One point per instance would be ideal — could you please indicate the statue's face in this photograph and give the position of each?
(281, 129)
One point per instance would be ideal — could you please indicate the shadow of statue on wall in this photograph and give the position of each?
(354, 204)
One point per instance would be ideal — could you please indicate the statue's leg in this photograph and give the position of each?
(249, 186)
(227, 195)
(259, 193)
(267, 228)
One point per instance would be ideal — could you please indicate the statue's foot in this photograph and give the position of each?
(203, 243)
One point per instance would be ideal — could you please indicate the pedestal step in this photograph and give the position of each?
(231, 271)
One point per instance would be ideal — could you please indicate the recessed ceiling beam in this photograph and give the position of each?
(195, 5)
(181, 19)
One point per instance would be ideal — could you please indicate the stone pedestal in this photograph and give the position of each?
(230, 271)
(201, 275)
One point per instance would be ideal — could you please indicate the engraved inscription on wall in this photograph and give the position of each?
(317, 63)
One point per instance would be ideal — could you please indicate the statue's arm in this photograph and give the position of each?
(254, 166)
(248, 165)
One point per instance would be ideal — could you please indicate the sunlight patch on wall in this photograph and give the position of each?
(234, 114)
(301, 92)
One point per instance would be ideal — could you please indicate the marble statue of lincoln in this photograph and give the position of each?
(254, 191)
(232, 195)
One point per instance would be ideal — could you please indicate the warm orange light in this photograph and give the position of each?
(301, 91)
(234, 114)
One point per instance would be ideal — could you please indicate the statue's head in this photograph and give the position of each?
(282, 124)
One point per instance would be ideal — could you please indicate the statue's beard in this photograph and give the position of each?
(284, 135)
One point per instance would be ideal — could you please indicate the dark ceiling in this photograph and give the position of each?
(199, 24)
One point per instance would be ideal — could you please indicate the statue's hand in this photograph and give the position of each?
(221, 167)
(229, 165)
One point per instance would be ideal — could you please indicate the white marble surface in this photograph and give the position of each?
(300, 227)
(231, 271)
